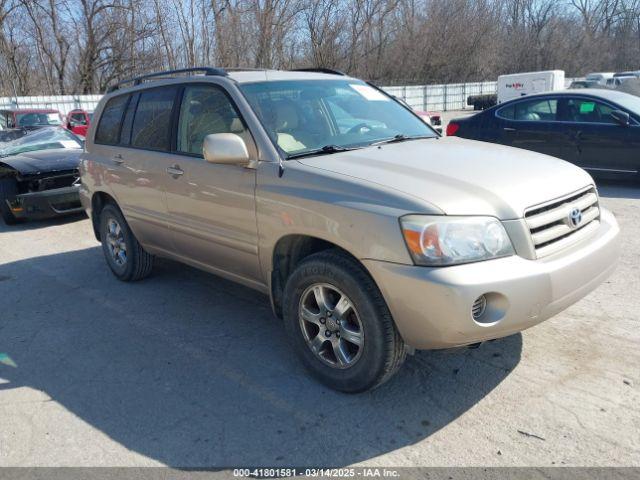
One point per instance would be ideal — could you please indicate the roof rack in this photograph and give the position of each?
(320, 70)
(208, 71)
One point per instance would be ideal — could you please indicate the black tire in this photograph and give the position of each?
(383, 350)
(8, 189)
(137, 263)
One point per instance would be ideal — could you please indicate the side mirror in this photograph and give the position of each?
(621, 118)
(225, 148)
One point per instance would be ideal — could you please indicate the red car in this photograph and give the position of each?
(78, 121)
(29, 118)
(431, 118)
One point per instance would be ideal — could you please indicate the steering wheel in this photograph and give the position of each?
(358, 128)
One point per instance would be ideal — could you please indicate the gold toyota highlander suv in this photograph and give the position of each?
(372, 235)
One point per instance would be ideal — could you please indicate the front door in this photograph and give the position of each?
(211, 207)
(603, 145)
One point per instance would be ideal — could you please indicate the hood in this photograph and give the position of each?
(461, 177)
(44, 161)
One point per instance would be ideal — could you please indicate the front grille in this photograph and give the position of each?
(552, 226)
(66, 179)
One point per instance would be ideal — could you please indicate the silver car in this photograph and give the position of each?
(372, 235)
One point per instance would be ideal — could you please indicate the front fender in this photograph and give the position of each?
(350, 213)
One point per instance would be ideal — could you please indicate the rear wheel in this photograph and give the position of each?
(340, 325)
(125, 256)
(8, 190)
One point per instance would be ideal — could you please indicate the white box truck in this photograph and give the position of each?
(520, 84)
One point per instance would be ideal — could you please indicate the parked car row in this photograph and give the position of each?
(16, 122)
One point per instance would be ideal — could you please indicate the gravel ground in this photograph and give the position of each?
(186, 369)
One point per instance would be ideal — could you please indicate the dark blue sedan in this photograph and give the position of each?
(598, 130)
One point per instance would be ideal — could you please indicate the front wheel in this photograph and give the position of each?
(125, 256)
(339, 323)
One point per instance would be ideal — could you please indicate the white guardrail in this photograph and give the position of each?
(438, 98)
(63, 103)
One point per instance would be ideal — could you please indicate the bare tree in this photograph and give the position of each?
(81, 46)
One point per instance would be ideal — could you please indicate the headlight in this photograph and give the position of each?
(442, 240)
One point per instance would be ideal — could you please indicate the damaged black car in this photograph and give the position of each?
(39, 175)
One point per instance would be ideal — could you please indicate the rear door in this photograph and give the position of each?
(532, 124)
(602, 145)
(121, 170)
(146, 135)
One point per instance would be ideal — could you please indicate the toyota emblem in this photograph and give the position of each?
(575, 217)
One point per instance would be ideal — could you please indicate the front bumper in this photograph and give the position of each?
(47, 204)
(432, 306)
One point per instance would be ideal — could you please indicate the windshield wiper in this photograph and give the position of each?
(321, 151)
(401, 138)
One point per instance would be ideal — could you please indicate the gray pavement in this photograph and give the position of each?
(187, 369)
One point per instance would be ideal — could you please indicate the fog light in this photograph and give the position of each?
(479, 306)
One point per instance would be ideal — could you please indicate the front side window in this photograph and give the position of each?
(531, 111)
(152, 122)
(303, 116)
(108, 132)
(585, 110)
(206, 110)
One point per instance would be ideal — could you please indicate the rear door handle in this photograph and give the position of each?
(175, 171)
(117, 158)
(509, 129)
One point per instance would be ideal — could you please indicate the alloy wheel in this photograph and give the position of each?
(331, 326)
(115, 242)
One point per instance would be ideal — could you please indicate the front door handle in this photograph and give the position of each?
(509, 129)
(175, 171)
(117, 158)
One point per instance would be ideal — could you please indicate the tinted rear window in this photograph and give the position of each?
(109, 127)
(152, 122)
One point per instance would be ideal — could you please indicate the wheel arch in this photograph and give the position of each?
(288, 252)
(98, 201)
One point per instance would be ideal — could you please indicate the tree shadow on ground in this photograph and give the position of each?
(191, 370)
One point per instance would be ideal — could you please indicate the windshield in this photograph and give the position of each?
(43, 139)
(36, 119)
(308, 115)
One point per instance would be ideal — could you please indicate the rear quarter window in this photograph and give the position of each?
(108, 132)
(507, 112)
